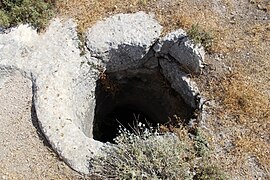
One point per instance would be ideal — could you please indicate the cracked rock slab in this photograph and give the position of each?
(121, 41)
(176, 45)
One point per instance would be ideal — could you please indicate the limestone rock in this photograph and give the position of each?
(176, 45)
(64, 83)
(180, 82)
(121, 41)
(52, 61)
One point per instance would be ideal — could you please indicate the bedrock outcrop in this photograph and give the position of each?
(127, 48)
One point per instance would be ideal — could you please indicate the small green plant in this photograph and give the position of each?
(209, 172)
(81, 44)
(200, 36)
(143, 2)
(37, 13)
(145, 154)
(200, 144)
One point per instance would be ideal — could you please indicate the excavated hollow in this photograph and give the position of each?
(76, 106)
(125, 100)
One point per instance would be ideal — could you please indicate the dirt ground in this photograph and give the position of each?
(24, 153)
(235, 82)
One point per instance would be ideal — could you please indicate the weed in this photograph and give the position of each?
(37, 13)
(146, 153)
(81, 44)
(200, 145)
(209, 172)
(4, 19)
(241, 98)
(200, 36)
(143, 2)
(247, 109)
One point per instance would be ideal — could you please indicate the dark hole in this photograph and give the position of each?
(123, 99)
(126, 116)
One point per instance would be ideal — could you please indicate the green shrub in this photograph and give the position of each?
(199, 36)
(35, 12)
(209, 172)
(4, 19)
(146, 154)
(200, 144)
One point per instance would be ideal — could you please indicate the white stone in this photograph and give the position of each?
(52, 61)
(121, 41)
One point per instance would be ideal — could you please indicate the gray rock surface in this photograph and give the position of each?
(23, 154)
(53, 63)
(177, 46)
(180, 82)
(121, 41)
(64, 82)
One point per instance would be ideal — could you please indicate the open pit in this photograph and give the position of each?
(122, 98)
(128, 73)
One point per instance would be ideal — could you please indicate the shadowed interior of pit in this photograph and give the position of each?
(126, 99)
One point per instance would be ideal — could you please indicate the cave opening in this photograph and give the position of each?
(126, 98)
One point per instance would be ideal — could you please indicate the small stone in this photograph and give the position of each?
(262, 7)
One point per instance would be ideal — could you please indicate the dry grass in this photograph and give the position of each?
(151, 154)
(248, 108)
(88, 12)
(171, 15)
(240, 98)
(243, 117)
(168, 13)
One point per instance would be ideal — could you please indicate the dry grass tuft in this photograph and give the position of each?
(200, 36)
(243, 106)
(87, 12)
(150, 154)
(241, 98)
(247, 146)
(171, 15)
